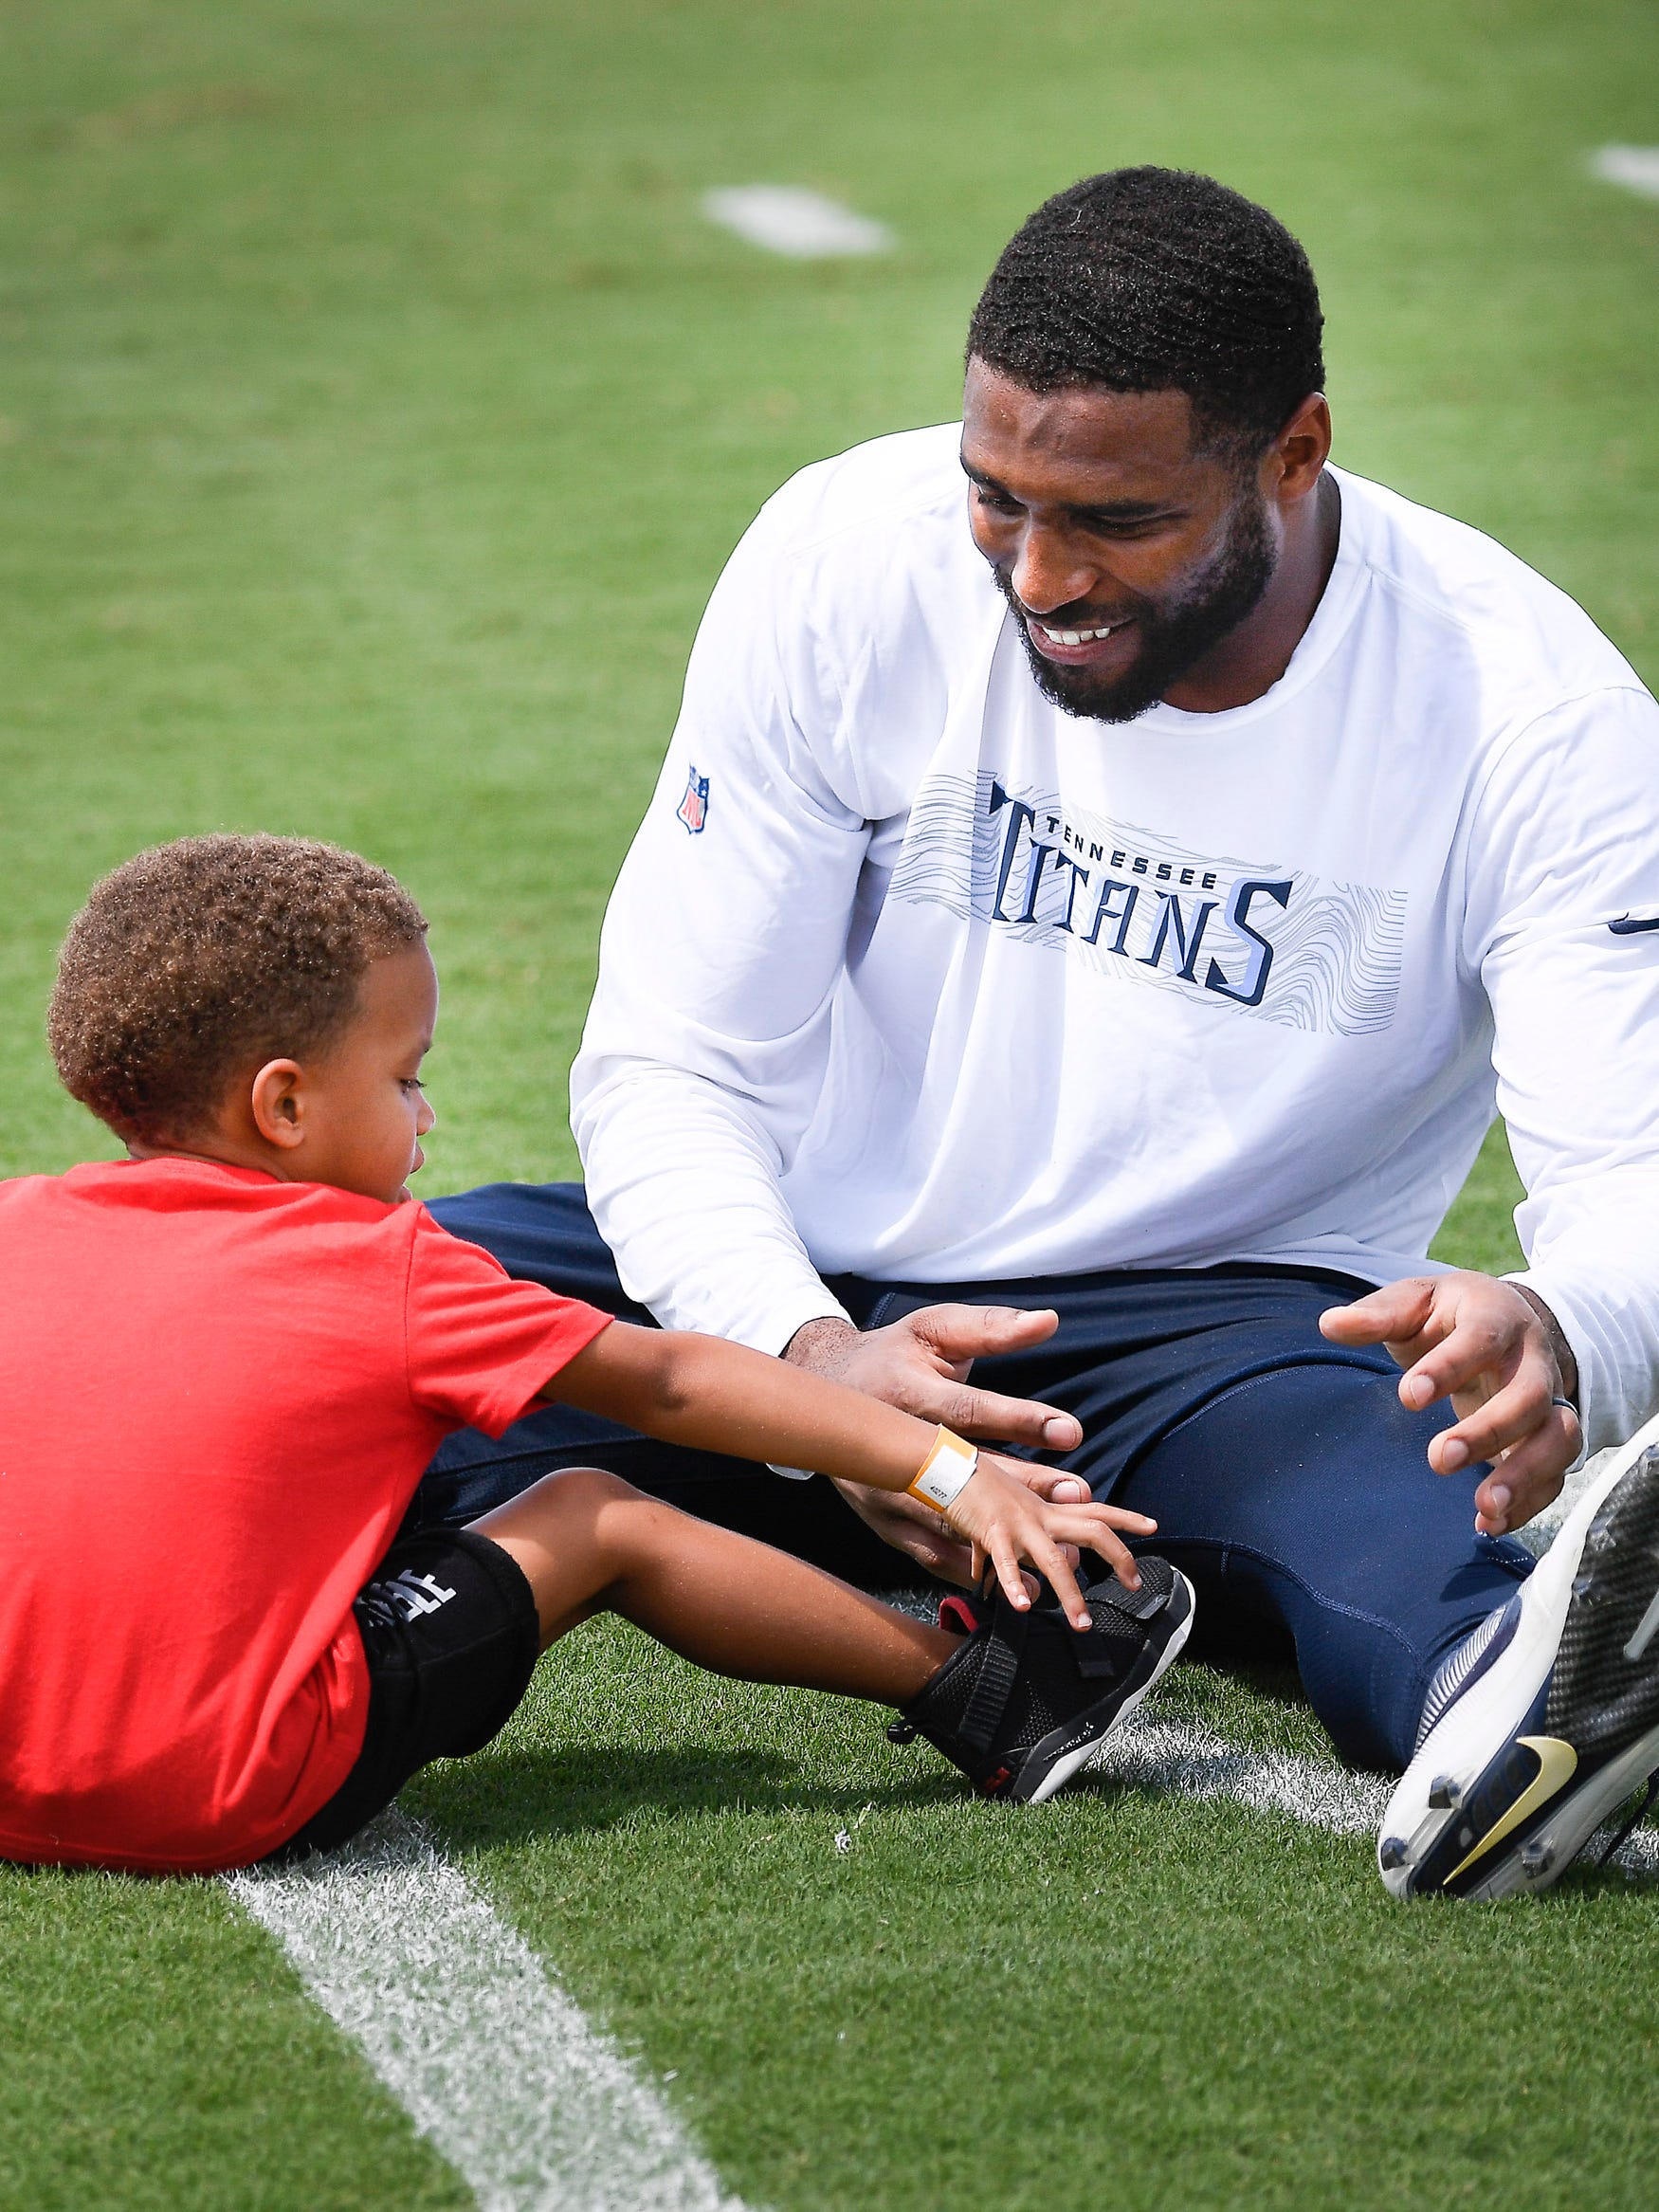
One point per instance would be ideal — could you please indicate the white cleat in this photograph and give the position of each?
(1543, 1721)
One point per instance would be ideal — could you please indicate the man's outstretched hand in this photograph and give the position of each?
(921, 1365)
(1498, 1354)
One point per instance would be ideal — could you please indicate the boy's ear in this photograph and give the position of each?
(278, 1103)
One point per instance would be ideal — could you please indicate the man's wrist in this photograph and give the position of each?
(1566, 1366)
(818, 1347)
(821, 1346)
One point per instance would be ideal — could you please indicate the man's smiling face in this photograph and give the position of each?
(1126, 548)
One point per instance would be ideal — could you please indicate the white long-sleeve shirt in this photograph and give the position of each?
(911, 974)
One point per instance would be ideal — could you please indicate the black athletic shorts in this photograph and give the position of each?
(450, 1632)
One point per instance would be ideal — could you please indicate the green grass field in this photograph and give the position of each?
(375, 409)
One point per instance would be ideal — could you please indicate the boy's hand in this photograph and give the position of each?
(1006, 1523)
(926, 1537)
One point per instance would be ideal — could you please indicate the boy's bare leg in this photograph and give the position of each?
(590, 1542)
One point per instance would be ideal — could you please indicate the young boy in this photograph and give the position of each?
(225, 1361)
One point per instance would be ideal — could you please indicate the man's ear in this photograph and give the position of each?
(1301, 450)
(277, 1102)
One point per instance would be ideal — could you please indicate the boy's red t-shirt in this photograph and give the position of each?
(217, 1393)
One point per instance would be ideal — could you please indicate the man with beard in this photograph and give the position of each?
(1086, 919)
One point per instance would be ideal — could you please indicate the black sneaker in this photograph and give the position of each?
(1029, 1699)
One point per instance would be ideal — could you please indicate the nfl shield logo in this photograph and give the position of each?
(693, 808)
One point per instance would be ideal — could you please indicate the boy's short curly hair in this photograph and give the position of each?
(211, 955)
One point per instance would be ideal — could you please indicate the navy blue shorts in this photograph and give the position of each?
(1287, 1478)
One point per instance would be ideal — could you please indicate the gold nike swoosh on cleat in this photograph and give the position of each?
(1556, 1763)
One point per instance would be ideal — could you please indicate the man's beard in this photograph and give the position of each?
(1175, 634)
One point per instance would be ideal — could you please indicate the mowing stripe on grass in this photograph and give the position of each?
(788, 219)
(533, 2106)
(1635, 167)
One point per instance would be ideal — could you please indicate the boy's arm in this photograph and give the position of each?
(719, 1396)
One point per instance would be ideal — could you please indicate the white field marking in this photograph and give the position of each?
(536, 2109)
(1635, 167)
(1173, 1756)
(788, 219)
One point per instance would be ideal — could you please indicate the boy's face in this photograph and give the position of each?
(364, 1110)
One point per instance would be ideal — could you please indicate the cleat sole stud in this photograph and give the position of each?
(1445, 1794)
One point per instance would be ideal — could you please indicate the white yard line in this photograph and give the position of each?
(1635, 167)
(537, 2110)
(788, 219)
(1174, 1756)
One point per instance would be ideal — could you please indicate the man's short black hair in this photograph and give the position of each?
(1154, 280)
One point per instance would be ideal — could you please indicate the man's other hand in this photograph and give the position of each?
(921, 1365)
(1498, 1354)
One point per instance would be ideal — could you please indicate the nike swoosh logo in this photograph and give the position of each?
(1556, 1763)
(1624, 926)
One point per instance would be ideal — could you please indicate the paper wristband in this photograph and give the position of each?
(947, 1472)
